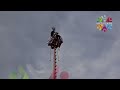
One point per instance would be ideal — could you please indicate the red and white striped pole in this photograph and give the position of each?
(54, 65)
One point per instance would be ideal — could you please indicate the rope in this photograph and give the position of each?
(50, 54)
(57, 53)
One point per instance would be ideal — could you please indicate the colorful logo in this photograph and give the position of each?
(104, 23)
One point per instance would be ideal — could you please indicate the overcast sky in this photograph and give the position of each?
(86, 53)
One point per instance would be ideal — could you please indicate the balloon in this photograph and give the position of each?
(64, 75)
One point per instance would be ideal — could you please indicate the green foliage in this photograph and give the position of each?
(13, 75)
(22, 74)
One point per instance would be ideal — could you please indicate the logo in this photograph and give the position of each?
(104, 23)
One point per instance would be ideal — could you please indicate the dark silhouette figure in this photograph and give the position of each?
(59, 40)
(53, 31)
(56, 40)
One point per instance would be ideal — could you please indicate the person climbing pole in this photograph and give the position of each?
(53, 31)
(51, 37)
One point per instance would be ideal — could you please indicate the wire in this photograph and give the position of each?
(50, 54)
(58, 53)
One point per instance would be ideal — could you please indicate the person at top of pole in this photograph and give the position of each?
(50, 43)
(53, 31)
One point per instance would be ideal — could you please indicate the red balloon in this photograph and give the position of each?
(64, 75)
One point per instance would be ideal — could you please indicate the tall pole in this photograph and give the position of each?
(54, 65)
